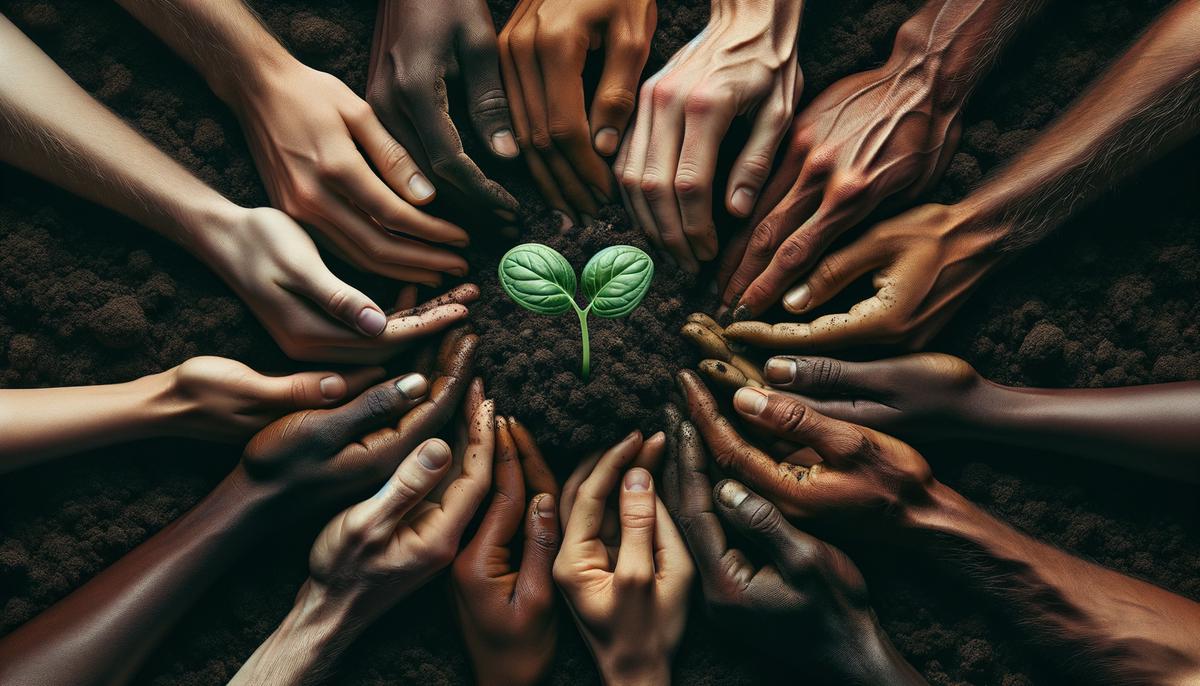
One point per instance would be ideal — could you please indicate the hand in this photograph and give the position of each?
(382, 549)
(742, 63)
(222, 399)
(313, 315)
(809, 593)
(629, 598)
(305, 129)
(927, 261)
(927, 394)
(417, 47)
(508, 616)
(331, 454)
(877, 135)
(722, 362)
(844, 471)
(543, 49)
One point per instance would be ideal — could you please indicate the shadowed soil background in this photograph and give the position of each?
(89, 297)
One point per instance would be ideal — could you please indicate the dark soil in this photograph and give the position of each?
(88, 297)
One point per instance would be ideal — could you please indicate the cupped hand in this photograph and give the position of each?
(927, 394)
(839, 470)
(222, 399)
(418, 47)
(507, 608)
(543, 49)
(805, 592)
(332, 454)
(925, 264)
(742, 64)
(629, 601)
(308, 134)
(873, 136)
(275, 268)
(384, 548)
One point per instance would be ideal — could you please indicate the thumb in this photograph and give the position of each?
(303, 391)
(342, 301)
(761, 522)
(638, 514)
(535, 580)
(488, 101)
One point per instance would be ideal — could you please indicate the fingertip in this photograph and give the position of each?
(797, 299)
(421, 189)
(504, 144)
(434, 454)
(780, 370)
(371, 321)
(333, 387)
(412, 386)
(741, 201)
(730, 493)
(638, 480)
(607, 140)
(543, 506)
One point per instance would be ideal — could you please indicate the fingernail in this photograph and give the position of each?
(564, 222)
(750, 401)
(504, 144)
(780, 370)
(742, 200)
(607, 140)
(637, 480)
(797, 298)
(332, 387)
(545, 506)
(412, 386)
(732, 493)
(420, 186)
(434, 454)
(371, 321)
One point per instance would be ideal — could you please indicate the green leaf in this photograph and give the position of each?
(538, 278)
(616, 279)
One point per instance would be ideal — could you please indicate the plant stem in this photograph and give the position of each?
(587, 349)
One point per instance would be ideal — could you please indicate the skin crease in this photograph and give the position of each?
(305, 129)
(543, 49)
(213, 397)
(1116, 629)
(312, 459)
(380, 551)
(265, 257)
(809, 593)
(887, 133)
(929, 395)
(926, 262)
(417, 47)
(742, 63)
(508, 612)
(627, 588)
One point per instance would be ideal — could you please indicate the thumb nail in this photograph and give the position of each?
(637, 480)
(797, 298)
(751, 401)
(607, 140)
(504, 143)
(780, 370)
(434, 454)
(742, 200)
(731, 493)
(420, 186)
(371, 321)
(412, 386)
(545, 506)
(332, 387)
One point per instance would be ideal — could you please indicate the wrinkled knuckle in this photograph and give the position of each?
(563, 131)
(654, 186)
(633, 579)
(795, 251)
(762, 240)
(542, 140)
(378, 403)
(630, 181)
(792, 416)
(700, 103)
(662, 95)
(618, 100)
(757, 166)
(394, 158)
(824, 374)
(689, 185)
(491, 101)
(765, 518)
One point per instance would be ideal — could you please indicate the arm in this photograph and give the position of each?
(102, 632)
(305, 129)
(1117, 629)
(1148, 428)
(927, 262)
(886, 133)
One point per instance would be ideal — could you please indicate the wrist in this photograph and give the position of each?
(253, 66)
(159, 406)
(947, 62)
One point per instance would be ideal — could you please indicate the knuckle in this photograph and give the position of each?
(618, 99)
(541, 139)
(796, 250)
(690, 185)
(792, 416)
(700, 102)
(377, 403)
(824, 374)
(662, 95)
(654, 186)
(630, 181)
(394, 158)
(757, 165)
(765, 518)
(564, 131)
(762, 240)
(491, 101)
(633, 579)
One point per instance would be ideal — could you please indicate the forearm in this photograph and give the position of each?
(1122, 630)
(43, 423)
(1149, 428)
(101, 633)
(951, 44)
(775, 20)
(866, 657)
(51, 127)
(223, 39)
(1142, 106)
(304, 647)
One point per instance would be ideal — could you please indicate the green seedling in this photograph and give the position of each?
(541, 280)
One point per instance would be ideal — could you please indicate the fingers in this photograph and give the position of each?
(586, 514)
(455, 364)
(377, 406)
(416, 476)
(787, 417)
(707, 120)
(824, 376)
(709, 336)
(542, 541)
(870, 322)
(503, 516)
(463, 496)
(763, 524)
(488, 102)
(341, 301)
(462, 294)
(538, 477)
(753, 165)
(393, 163)
(566, 116)
(313, 389)
(638, 517)
(625, 55)
(406, 329)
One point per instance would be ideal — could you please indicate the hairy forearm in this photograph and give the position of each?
(1149, 428)
(951, 44)
(1142, 106)
(51, 127)
(101, 633)
(1119, 629)
(303, 649)
(43, 423)
(223, 39)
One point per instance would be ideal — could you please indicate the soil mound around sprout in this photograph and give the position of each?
(531, 362)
